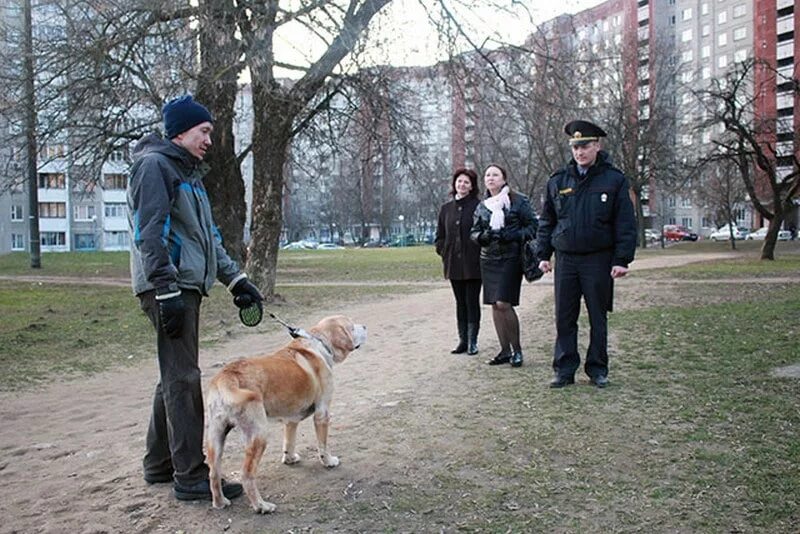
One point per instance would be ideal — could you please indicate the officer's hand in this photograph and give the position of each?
(617, 271)
(544, 266)
(486, 237)
(245, 293)
(171, 311)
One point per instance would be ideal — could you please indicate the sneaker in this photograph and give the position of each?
(201, 491)
(599, 381)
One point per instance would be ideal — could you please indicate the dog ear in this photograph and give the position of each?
(343, 341)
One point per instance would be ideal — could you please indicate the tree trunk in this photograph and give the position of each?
(271, 136)
(217, 89)
(770, 240)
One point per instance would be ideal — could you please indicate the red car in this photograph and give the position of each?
(674, 232)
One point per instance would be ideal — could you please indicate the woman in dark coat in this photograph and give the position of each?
(503, 222)
(460, 256)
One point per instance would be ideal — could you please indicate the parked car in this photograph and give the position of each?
(723, 233)
(329, 246)
(674, 232)
(300, 245)
(401, 241)
(761, 234)
(651, 236)
(372, 244)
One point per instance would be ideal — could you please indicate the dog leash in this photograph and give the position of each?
(293, 330)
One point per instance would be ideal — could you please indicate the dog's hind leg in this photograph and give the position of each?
(289, 434)
(216, 432)
(253, 424)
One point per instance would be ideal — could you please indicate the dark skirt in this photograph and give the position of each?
(501, 280)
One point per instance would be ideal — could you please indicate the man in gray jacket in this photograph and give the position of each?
(176, 254)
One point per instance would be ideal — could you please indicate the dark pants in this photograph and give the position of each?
(468, 307)
(587, 275)
(175, 436)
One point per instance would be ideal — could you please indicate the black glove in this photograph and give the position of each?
(487, 236)
(171, 310)
(510, 234)
(245, 293)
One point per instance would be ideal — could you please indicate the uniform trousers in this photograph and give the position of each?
(175, 434)
(587, 275)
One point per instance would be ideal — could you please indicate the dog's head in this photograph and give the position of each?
(341, 334)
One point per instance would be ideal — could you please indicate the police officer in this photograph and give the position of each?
(588, 220)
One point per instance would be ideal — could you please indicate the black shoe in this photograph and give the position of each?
(201, 491)
(516, 359)
(561, 381)
(500, 359)
(599, 381)
(157, 478)
(461, 348)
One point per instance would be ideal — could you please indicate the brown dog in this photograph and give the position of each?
(288, 385)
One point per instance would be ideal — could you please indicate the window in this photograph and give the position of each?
(722, 39)
(686, 222)
(739, 11)
(671, 203)
(722, 17)
(704, 9)
(53, 239)
(706, 30)
(53, 210)
(686, 140)
(115, 181)
(84, 212)
(707, 222)
(739, 33)
(706, 73)
(16, 213)
(740, 55)
(17, 242)
(114, 210)
(686, 202)
(687, 55)
(705, 51)
(84, 242)
(722, 62)
(686, 36)
(706, 137)
(687, 76)
(686, 14)
(115, 240)
(52, 180)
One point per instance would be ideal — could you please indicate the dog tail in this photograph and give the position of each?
(228, 388)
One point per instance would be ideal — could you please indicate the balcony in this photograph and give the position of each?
(785, 3)
(785, 50)
(785, 24)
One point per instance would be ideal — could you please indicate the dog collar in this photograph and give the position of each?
(327, 355)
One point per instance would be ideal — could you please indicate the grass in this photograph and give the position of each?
(75, 330)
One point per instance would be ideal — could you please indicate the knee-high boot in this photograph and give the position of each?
(462, 339)
(472, 335)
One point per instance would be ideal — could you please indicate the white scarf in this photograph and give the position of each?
(495, 204)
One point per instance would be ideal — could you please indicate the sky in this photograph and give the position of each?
(413, 40)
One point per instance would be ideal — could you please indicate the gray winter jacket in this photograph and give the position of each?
(174, 241)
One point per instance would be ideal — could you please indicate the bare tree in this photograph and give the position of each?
(756, 142)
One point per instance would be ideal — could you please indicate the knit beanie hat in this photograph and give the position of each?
(183, 113)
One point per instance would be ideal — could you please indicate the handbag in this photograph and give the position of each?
(530, 263)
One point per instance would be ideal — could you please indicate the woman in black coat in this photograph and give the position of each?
(460, 256)
(503, 222)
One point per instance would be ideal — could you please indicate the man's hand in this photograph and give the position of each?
(245, 293)
(544, 266)
(171, 311)
(617, 271)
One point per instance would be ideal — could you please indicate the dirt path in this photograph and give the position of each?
(70, 452)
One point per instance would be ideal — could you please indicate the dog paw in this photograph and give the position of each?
(290, 459)
(264, 507)
(330, 461)
(222, 503)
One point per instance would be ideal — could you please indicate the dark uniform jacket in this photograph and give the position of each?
(506, 243)
(590, 214)
(460, 255)
(174, 241)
